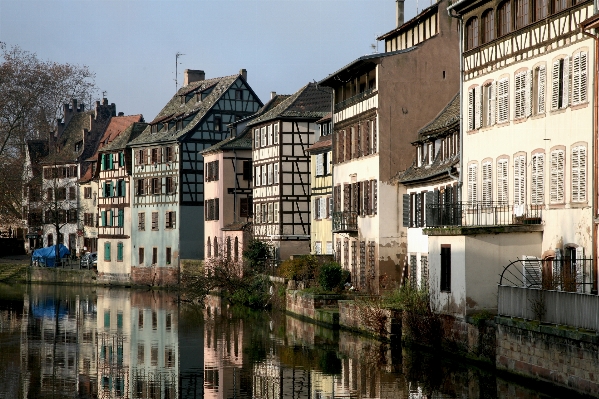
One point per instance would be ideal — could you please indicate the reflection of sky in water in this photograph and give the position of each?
(64, 342)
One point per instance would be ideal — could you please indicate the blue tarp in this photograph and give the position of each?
(46, 256)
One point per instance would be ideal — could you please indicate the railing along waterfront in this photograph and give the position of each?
(354, 99)
(480, 213)
(346, 221)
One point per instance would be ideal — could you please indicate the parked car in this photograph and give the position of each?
(90, 260)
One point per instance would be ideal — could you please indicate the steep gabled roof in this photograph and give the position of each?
(193, 109)
(310, 102)
(449, 116)
(122, 140)
(116, 127)
(63, 149)
(424, 14)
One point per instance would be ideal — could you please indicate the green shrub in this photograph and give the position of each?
(330, 276)
(299, 268)
(257, 255)
(255, 294)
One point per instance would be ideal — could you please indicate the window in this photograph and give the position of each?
(559, 5)
(212, 171)
(256, 138)
(141, 262)
(170, 185)
(168, 255)
(107, 251)
(541, 9)
(270, 210)
(263, 137)
(257, 176)
(276, 133)
(320, 164)
(560, 79)
(522, 95)
(537, 179)
(446, 268)
(472, 33)
(264, 213)
(141, 221)
(329, 248)
(472, 183)
(154, 261)
(141, 157)
(217, 124)
(275, 211)
(155, 155)
(61, 193)
(579, 170)
(156, 186)
(171, 219)
(519, 180)
(121, 218)
(140, 187)
(215, 246)
(209, 247)
(556, 183)
(503, 113)
(579, 78)
(121, 188)
(269, 134)
(521, 13)
(264, 178)
(276, 173)
(474, 109)
(154, 220)
(318, 247)
(244, 207)
(539, 90)
(211, 209)
(247, 170)
(488, 106)
(236, 249)
(119, 252)
(269, 173)
(488, 27)
(487, 191)
(504, 18)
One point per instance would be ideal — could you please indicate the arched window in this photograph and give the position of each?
(472, 33)
(504, 20)
(541, 9)
(209, 248)
(488, 25)
(522, 13)
(215, 247)
(228, 248)
(236, 250)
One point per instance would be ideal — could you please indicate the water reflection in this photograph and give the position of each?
(65, 342)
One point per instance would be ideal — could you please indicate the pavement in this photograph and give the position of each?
(18, 259)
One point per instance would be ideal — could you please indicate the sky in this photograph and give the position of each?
(131, 44)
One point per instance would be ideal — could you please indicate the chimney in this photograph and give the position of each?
(74, 104)
(82, 107)
(244, 73)
(121, 114)
(193, 75)
(399, 12)
(273, 94)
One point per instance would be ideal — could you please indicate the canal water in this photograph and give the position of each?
(93, 342)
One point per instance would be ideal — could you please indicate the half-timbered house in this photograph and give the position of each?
(33, 210)
(321, 182)
(70, 147)
(281, 164)
(381, 100)
(113, 202)
(432, 179)
(527, 133)
(168, 171)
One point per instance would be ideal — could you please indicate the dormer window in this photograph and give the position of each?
(78, 146)
(431, 153)
(217, 124)
(239, 94)
(153, 129)
(420, 153)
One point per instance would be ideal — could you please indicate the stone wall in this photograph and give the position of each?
(472, 337)
(52, 275)
(155, 276)
(306, 304)
(384, 323)
(114, 279)
(562, 356)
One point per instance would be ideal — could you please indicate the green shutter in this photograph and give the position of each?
(107, 251)
(123, 188)
(110, 161)
(122, 158)
(110, 216)
(102, 164)
(103, 218)
(121, 217)
(119, 251)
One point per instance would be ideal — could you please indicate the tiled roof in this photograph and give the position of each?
(130, 133)
(193, 108)
(449, 116)
(237, 226)
(242, 142)
(423, 14)
(321, 144)
(436, 170)
(63, 150)
(327, 117)
(116, 126)
(310, 102)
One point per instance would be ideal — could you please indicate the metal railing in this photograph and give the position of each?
(480, 213)
(346, 221)
(354, 99)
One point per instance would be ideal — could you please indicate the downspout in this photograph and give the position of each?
(594, 231)
(333, 154)
(460, 34)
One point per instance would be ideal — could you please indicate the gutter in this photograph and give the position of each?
(460, 34)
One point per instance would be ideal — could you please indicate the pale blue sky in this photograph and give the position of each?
(131, 44)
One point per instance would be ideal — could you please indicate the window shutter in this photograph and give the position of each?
(566, 73)
(519, 180)
(579, 174)
(346, 197)
(555, 84)
(315, 209)
(102, 163)
(269, 173)
(276, 173)
(583, 76)
(487, 193)
(492, 108)
(471, 109)
(503, 101)
(519, 95)
(557, 177)
(374, 196)
(319, 165)
(477, 107)
(528, 101)
(537, 183)
(121, 218)
(541, 90)
(109, 161)
(472, 184)
(323, 207)
(429, 211)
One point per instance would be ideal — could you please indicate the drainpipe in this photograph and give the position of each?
(461, 50)
(595, 152)
(333, 155)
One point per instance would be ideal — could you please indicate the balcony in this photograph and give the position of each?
(345, 222)
(488, 213)
(354, 99)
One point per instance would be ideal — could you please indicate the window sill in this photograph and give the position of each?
(579, 106)
(558, 111)
(538, 116)
(579, 204)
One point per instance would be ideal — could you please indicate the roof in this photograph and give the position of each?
(449, 116)
(321, 145)
(130, 133)
(242, 142)
(116, 126)
(325, 118)
(193, 109)
(590, 23)
(237, 226)
(309, 102)
(438, 169)
(414, 21)
(63, 150)
(358, 64)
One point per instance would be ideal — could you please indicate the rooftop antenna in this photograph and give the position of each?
(104, 94)
(375, 46)
(177, 69)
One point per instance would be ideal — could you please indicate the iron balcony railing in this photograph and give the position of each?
(354, 99)
(344, 222)
(488, 213)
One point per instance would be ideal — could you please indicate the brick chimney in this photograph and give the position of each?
(244, 73)
(193, 75)
(273, 94)
(399, 12)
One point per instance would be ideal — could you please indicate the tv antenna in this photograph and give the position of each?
(177, 69)
(104, 94)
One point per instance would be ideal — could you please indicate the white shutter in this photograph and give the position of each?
(269, 172)
(256, 138)
(264, 178)
(579, 174)
(276, 173)
(576, 79)
(502, 181)
(503, 101)
(556, 189)
(258, 175)
(276, 133)
(541, 90)
(528, 101)
(319, 165)
(477, 108)
(323, 207)
(537, 183)
(555, 83)
(315, 209)
(472, 184)
(487, 193)
(532, 272)
(566, 72)
(275, 211)
(471, 109)
(519, 179)
(492, 108)
(263, 136)
(583, 76)
(519, 95)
